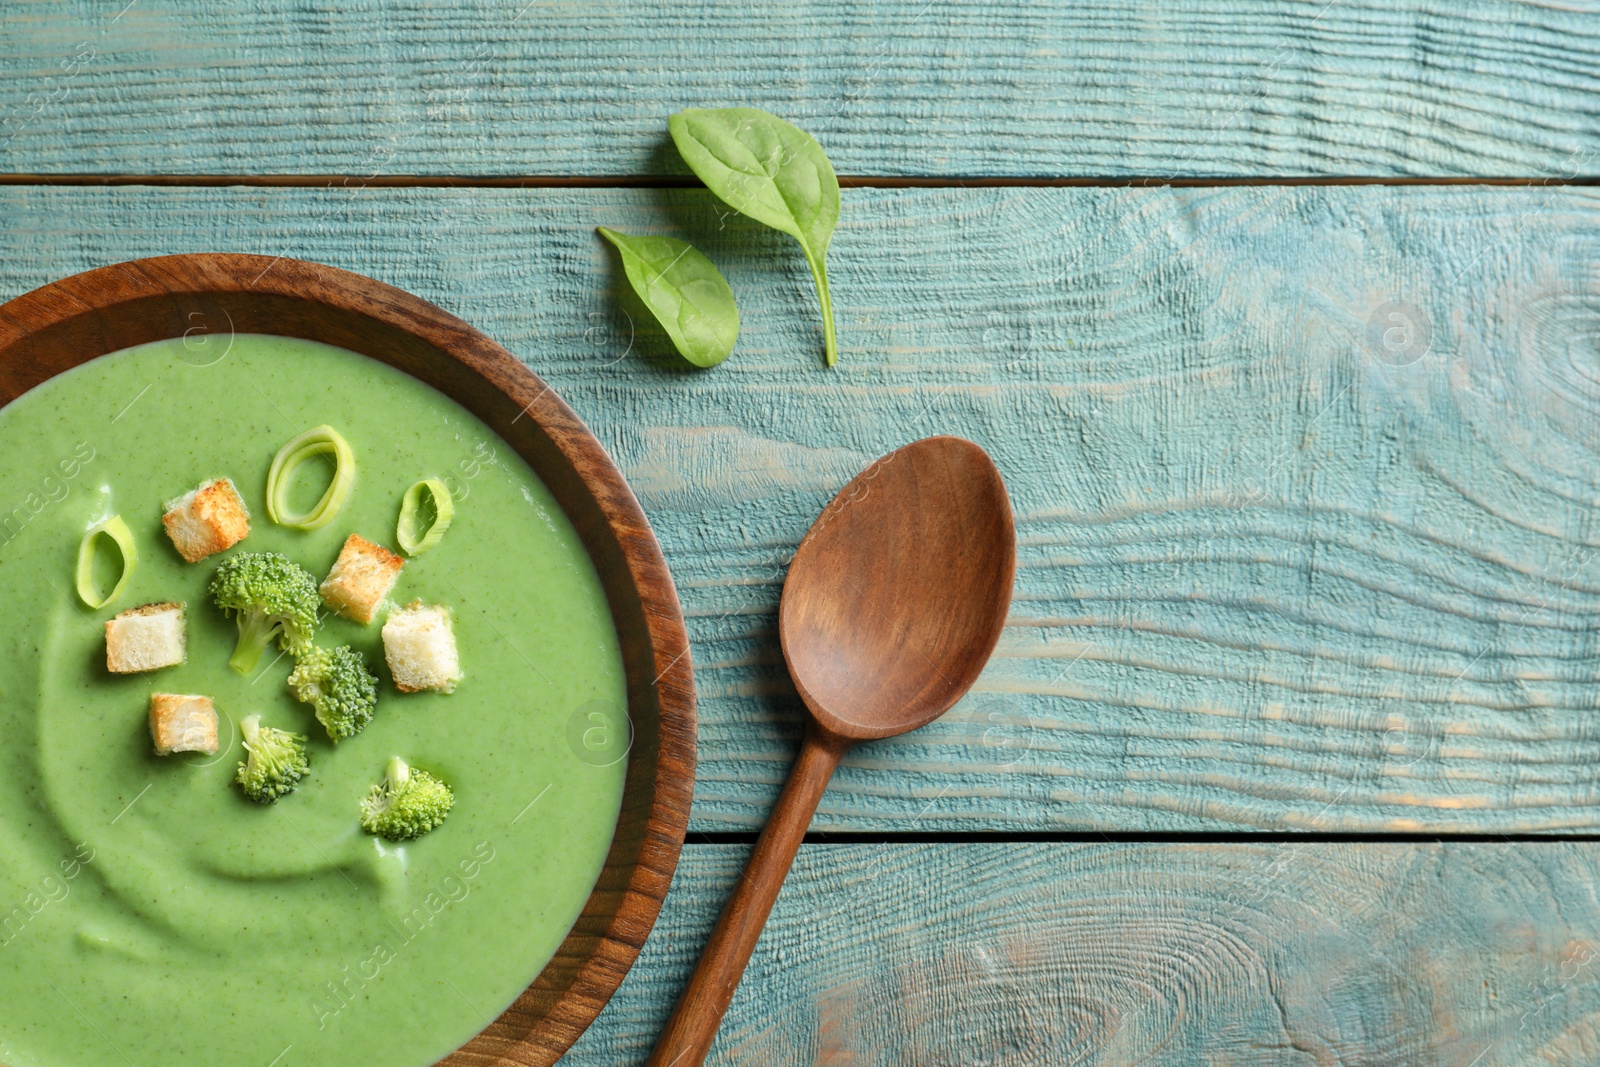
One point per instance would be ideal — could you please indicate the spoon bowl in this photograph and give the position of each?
(897, 595)
(893, 603)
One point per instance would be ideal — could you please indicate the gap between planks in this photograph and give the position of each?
(1221, 837)
(681, 181)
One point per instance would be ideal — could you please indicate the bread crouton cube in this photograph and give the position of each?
(419, 642)
(146, 639)
(361, 577)
(182, 723)
(207, 520)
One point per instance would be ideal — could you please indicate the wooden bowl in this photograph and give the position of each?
(74, 320)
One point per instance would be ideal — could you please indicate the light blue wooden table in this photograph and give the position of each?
(1282, 320)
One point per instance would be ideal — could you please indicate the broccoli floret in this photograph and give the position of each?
(406, 804)
(276, 761)
(270, 597)
(338, 685)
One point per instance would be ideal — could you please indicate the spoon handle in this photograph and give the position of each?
(695, 1020)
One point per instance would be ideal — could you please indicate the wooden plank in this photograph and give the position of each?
(909, 88)
(1276, 568)
(1449, 955)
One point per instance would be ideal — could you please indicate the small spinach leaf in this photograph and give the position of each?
(774, 172)
(685, 291)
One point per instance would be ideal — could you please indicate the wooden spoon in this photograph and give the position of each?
(892, 605)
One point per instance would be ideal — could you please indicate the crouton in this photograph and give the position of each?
(207, 520)
(420, 645)
(146, 639)
(182, 723)
(361, 577)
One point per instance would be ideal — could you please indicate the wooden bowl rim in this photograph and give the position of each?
(629, 915)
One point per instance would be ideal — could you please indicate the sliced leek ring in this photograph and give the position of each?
(122, 537)
(414, 542)
(318, 441)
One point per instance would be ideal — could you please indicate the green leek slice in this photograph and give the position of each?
(318, 441)
(122, 537)
(414, 542)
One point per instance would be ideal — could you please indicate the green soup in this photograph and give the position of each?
(149, 913)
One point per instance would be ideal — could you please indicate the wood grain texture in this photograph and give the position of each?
(893, 602)
(898, 593)
(911, 88)
(687, 1034)
(71, 321)
(1270, 573)
(1284, 955)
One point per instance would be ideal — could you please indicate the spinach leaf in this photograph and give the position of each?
(685, 291)
(776, 173)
